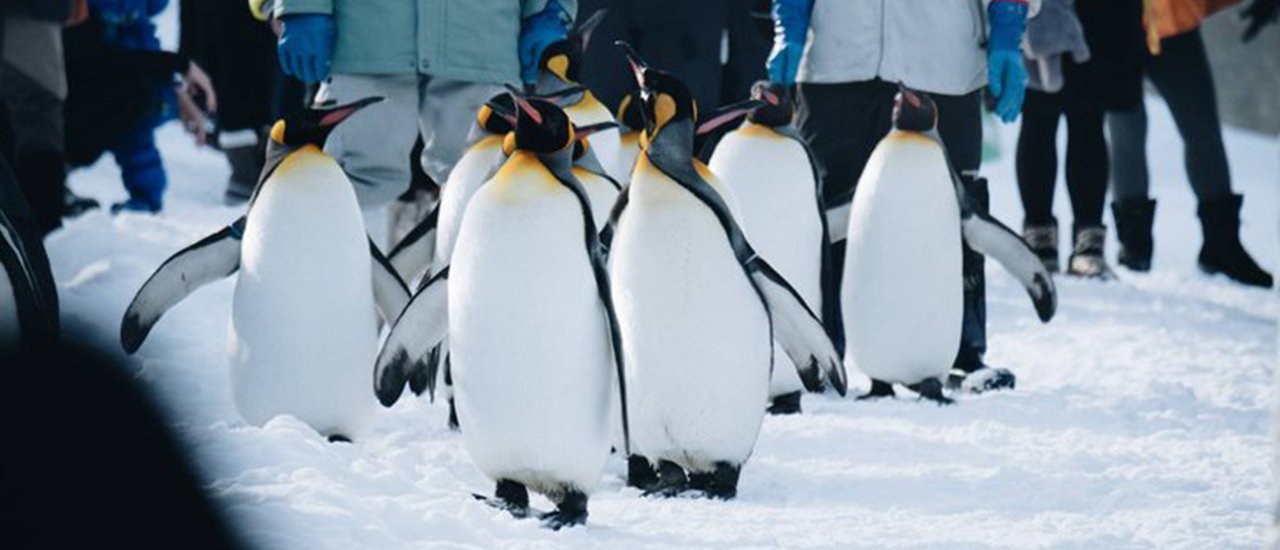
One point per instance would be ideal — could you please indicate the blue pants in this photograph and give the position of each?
(141, 167)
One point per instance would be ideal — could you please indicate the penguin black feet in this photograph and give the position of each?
(640, 473)
(453, 417)
(879, 389)
(339, 438)
(719, 484)
(671, 480)
(931, 389)
(982, 380)
(787, 403)
(510, 496)
(571, 511)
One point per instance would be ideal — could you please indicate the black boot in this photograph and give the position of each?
(1087, 257)
(246, 166)
(1133, 219)
(1222, 251)
(1043, 240)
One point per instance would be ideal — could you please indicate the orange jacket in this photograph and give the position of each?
(1165, 18)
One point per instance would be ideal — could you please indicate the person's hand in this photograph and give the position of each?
(306, 45)
(790, 30)
(196, 82)
(536, 33)
(193, 118)
(1259, 14)
(1006, 74)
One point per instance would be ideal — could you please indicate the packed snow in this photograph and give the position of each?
(1141, 417)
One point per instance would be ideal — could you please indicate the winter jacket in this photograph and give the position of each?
(931, 45)
(1052, 34)
(468, 40)
(1165, 18)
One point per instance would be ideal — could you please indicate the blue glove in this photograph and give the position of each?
(121, 12)
(790, 30)
(1006, 74)
(306, 46)
(536, 33)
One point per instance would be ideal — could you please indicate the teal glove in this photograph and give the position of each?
(306, 46)
(536, 33)
(1006, 74)
(790, 30)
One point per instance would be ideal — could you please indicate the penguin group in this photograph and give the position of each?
(587, 286)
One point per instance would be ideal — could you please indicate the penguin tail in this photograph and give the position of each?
(802, 336)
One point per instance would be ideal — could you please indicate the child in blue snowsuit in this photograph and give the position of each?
(127, 25)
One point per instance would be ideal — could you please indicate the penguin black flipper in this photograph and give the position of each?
(390, 293)
(989, 237)
(423, 325)
(801, 333)
(210, 259)
(992, 239)
(610, 229)
(599, 268)
(412, 256)
(27, 264)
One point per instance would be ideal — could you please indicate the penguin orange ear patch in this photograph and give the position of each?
(277, 132)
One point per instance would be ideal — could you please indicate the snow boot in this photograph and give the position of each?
(135, 205)
(74, 205)
(1087, 258)
(1133, 219)
(246, 166)
(1222, 251)
(1043, 240)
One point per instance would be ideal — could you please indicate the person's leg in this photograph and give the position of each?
(1132, 209)
(447, 111)
(1182, 75)
(842, 124)
(1087, 185)
(372, 145)
(1037, 170)
(142, 170)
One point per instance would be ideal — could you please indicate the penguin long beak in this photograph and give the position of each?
(581, 132)
(524, 105)
(728, 113)
(334, 116)
(502, 111)
(638, 64)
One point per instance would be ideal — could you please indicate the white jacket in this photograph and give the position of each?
(930, 45)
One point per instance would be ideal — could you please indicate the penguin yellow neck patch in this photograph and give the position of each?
(559, 66)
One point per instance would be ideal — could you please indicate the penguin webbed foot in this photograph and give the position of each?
(879, 389)
(787, 403)
(671, 481)
(640, 473)
(983, 380)
(571, 511)
(719, 484)
(509, 496)
(931, 390)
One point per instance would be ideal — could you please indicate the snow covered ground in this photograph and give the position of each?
(1141, 417)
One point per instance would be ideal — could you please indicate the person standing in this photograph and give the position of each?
(1177, 65)
(1102, 73)
(848, 57)
(434, 62)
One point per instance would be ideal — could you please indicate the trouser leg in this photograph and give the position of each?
(1037, 155)
(1086, 166)
(960, 125)
(373, 145)
(1129, 177)
(447, 111)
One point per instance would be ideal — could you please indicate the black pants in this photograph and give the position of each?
(1037, 158)
(843, 123)
(1181, 75)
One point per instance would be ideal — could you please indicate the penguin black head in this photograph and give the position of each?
(629, 111)
(914, 111)
(563, 58)
(541, 126)
(664, 98)
(496, 116)
(312, 126)
(777, 109)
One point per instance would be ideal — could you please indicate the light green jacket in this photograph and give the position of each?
(468, 40)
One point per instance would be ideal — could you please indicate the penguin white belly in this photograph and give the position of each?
(602, 194)
(303, 321)
(695, 334)
(532, 366)
(607, 144)
(902, 290)
(471, 172)
(771, 176)
(628, 151)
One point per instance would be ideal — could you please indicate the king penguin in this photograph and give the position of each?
(303, 326)
(698, 308)
(632, 121)
(560, 66)
(28, 295)
(775, 179)
(902, 293)
(531, 326)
